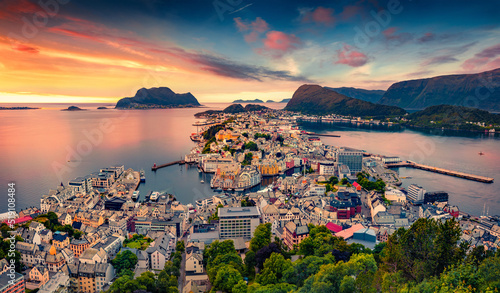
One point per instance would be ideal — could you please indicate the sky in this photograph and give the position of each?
(221, 50)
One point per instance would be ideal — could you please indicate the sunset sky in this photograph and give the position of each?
(100, 51)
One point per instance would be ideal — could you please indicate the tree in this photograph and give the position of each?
(344, 181)
(217, 248)
(125, 260)
(250, 263)
(274, 267)
(179, 246)
(241, 287)
(261, 237)
(227, 277)
(264, 253)
(333, 180)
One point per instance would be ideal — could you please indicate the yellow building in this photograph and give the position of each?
(227, 134)
(269, 169)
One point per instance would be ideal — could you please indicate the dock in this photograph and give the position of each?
(156, 167)
(320, 134)
(205, 123)
(442, 171)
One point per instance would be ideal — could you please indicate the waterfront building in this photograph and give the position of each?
(81, 185)
(395, 196)
(238, 222)
(248, 177)
(436, 196)
(351, 158)
(416, 194)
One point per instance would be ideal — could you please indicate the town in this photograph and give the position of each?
(88, 232)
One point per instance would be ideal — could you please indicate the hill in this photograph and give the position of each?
(481, 90)
(248, 101)
(317, 100)
(73, 108)
(285, 101)
(270, 101)
(453, 117)
(161, 97)
(361, 94)
(234, 109)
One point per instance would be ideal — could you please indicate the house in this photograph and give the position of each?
(142, 258)
(35, 226)
(104, 273)
(294, 232)
(4, 265)
(194, 263)
(46, 236)
(60, 240)
(66, 219)
(31, 236)
(12, 283)
(27, 251)
(93, 256)
(78, 246)
(54, 259)
(37, 276)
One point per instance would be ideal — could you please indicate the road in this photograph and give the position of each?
(182, 277)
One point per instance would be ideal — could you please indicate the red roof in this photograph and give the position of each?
(20, 220)
(334, 227)
(355, 184)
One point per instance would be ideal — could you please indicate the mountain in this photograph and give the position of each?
(234, 109)
(481, 90)
(248, 101)
(270, 101)
(73, 108)
(285, 101)
(361, 94)
(161, 97)
(452, 117)
(318, 100)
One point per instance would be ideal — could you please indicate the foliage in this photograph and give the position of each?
(248, 159)
(262, 237)
(378, 185)
(274, 267)
(179, 246)
(252, 146)
(264, 135)
(227, 278)
(215, 215)
(138, 241)
(125, 260)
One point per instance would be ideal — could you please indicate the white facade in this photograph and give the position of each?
(416, 193)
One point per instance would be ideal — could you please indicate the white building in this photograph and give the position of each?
(416, 194)
(238, 222)
(395, 195)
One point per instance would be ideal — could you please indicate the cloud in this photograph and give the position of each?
(420, 73)
(25, 48)
(350, 11)
(446, 55)
(396, 39)
(255, 28)
(320, 15)
(484, 60)
(432, 37)
(439, 60)
(279, 43)
(427, 37)
(349, 56)
(14, 9)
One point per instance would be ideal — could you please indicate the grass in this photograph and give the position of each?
(141, 244)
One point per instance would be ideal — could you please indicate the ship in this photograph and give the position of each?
(143, 177)
(135, 195)
(196, 137)
(481, 153)
(154, 196)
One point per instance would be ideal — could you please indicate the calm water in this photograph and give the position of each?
(39, 149)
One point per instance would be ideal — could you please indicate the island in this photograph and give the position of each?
(73, 108)
(102, 108)
(247, 101)
(270, 101)
(158, 98)
(453, 118)
(18, 108)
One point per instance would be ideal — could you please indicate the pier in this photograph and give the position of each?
(156, 167)
(319, 134)
(205, 123)
(442, 171)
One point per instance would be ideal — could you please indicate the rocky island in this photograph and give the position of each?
(247, 101)
(73, 108)
(158, 98)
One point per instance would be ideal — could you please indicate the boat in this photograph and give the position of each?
(143, 177)
(481, 153)
(135, 194)
(154, 195)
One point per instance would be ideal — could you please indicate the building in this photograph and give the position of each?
(114, 204)
(395, 196)
(81, 185)
(416, 194)
(78, 246)
(38, 276)
(238, 222)
(326, 168)
(194, 263)
(60, 240)
(351, 158)
(294, 232)
(12, 285)
(346, 202)
(436, 196)
(391, 160)
(248, 177)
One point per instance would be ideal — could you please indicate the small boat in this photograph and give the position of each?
(154, 195)
(143, 177)
(481, 153)
(135, 194)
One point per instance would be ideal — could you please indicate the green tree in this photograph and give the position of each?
(227, 277)
(241, 287)
(125, 260)
(262, 237)
(274, 267)
(179, 246)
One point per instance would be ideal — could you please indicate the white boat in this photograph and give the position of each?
(135, 195)
(154, 195)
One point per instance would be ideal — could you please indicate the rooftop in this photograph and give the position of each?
(238, 212)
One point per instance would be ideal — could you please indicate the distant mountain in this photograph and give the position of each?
(161, 97)
(361, 94)
(285, 101)
(270, 101)
(452, 117)
(317, 100)
(234, 109)
(248, 101)
(481, 90)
